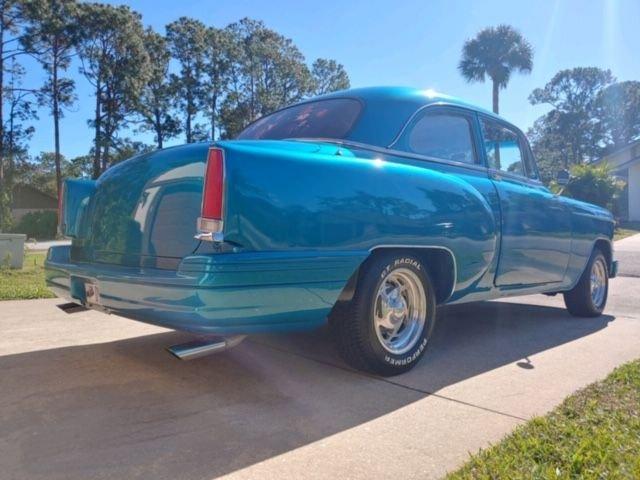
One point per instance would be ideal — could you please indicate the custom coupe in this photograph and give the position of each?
(369, 207)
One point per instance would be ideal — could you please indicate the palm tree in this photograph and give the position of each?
(496, 52)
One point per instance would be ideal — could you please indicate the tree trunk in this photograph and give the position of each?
(188, 122)
(158, 126)
(97, 142)
(10, 147)
(6, 188)
(106, 137)
(4, 209)
(56, 118)
(214, 102)
(105, 155)
(496, 94)
(252, 109)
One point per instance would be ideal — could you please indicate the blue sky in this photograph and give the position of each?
(413, 43)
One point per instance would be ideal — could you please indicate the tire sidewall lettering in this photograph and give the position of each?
(408, 261)
(399, 262)
(407, 359)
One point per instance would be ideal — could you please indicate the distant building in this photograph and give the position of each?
(625, 164)
(29, 199)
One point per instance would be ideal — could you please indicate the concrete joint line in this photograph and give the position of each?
(390, 382)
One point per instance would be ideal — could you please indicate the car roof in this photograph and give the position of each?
(387, 109)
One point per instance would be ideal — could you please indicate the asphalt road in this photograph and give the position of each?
(87, 395)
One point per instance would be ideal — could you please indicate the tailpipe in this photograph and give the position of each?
(204, 346)
(72, 307)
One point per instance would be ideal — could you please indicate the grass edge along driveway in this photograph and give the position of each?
(625, 230)
(27, 283)
(594, 433)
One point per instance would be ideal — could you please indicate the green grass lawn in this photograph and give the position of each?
(27, 283)
(626, 230)
(594, 434)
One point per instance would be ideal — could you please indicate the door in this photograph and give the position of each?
(535, 225)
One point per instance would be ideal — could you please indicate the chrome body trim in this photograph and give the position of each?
(216, 237)
(478, 167)
(498, 175)
(210, 225)
(397, 153)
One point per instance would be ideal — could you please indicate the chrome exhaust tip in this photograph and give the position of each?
(204, 346)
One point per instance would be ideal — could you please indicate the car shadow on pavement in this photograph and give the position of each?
(127, 409)
(474, 338)
(468, 340)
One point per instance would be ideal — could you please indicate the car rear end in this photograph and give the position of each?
(148, 244)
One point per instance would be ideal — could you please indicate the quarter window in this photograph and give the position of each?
(502, 147)
(443, 135)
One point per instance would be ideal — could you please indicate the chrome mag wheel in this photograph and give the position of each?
(399, 311)
(598, 282)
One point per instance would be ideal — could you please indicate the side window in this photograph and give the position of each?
(443, 135)
(502, 147)
(532, 169)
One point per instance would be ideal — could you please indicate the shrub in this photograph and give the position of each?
(41, 225)
(594, 184)
(6, 221)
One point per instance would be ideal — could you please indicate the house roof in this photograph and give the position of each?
(624, 157)
(629, 146)
(26, 196)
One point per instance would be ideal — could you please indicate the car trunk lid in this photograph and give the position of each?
(143, 211)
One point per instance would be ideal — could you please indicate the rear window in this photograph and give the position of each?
(322, 119)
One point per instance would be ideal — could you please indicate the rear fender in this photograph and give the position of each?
(288, 199)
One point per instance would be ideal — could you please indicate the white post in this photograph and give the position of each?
(12, 249)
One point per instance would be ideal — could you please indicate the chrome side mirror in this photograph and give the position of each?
(563, 177)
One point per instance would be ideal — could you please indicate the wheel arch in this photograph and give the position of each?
(439, 261)
(607, 249)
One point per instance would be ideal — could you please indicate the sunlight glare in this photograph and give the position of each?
(430, 93)
(378, 163)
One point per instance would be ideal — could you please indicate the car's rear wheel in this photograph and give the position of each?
(386, 326)
(589, 297)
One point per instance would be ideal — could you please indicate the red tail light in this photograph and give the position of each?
(213, 193)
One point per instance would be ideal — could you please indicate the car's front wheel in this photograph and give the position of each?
(589, 297)
(387, 325)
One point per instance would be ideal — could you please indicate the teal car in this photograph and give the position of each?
(368, 207)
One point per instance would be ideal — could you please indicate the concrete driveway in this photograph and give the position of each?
(86, 395)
